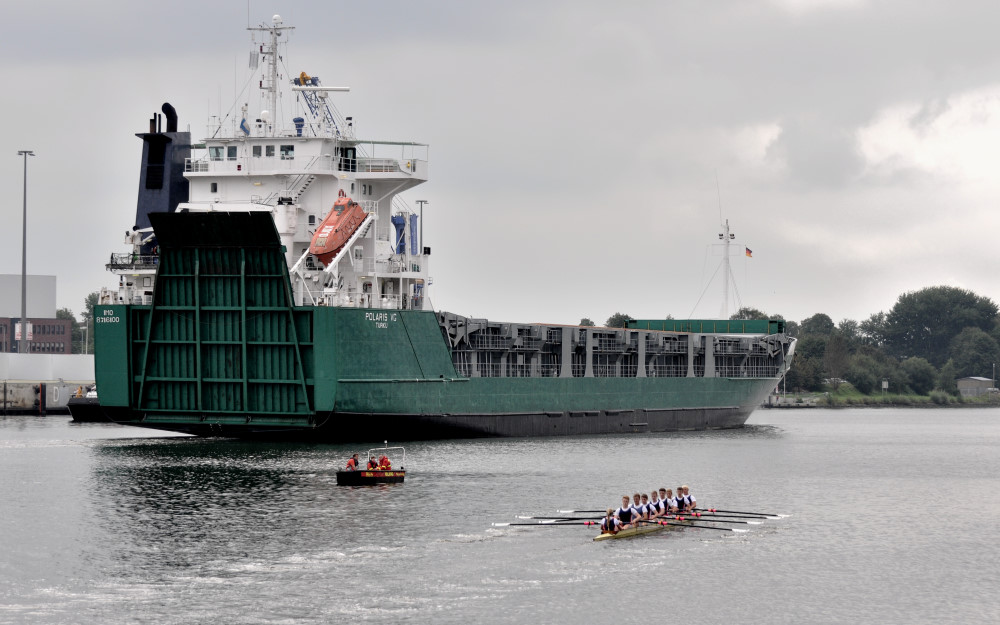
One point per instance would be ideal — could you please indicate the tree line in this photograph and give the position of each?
(926, 341)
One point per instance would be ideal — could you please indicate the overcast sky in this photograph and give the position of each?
(580, 151)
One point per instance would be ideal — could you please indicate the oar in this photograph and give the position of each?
(731, 516)
(559, 518)
(582, 511)
(774, 514)
(704, 527)
(712, 518)
(543, 524)
(684, 517)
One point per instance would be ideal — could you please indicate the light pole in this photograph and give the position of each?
(22, 345)
(421, 202)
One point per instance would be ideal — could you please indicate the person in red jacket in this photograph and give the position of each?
(352, 464)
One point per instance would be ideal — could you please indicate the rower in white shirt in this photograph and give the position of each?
(625, 513)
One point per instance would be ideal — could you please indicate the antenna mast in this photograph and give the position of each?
(726, 237)
(270, 52)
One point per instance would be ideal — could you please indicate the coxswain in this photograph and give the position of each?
(610, 524)
(691, 501)
(625, 514)
(352, 464)
(372, 464)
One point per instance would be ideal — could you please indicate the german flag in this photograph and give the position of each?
(749, 253)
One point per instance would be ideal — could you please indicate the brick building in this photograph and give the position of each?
(49, 336)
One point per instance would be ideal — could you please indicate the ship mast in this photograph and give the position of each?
(269, 83)
(726, 237)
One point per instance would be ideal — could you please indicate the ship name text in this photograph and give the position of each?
(381, 320)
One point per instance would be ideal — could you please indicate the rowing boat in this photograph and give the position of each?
(648, 528)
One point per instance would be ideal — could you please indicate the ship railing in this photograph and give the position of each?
(379, 165)
(133, 261)
(259, 165)
(518, 370)
(607, 344)
(490, 341)
(654, 370)
(527, 342)
(761, 371)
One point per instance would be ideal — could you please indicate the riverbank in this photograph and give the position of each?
(853, 399)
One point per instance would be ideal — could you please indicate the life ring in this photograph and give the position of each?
(341, 193)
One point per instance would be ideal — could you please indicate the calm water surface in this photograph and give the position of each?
(895, 517)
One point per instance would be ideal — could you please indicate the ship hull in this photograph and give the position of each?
(584, 418)
(224, 351)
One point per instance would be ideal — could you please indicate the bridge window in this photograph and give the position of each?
(231, 153)
(215, 153)
(256, 151)
(268, 150)
(287, 152)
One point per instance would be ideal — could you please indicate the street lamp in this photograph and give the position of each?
(22, 345)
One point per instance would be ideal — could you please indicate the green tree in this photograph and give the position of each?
(89, 304)
(973, 352)
(586, 322)
(810, 347)
(76, 333)
(923, 323)
(861, 378)
(805, 375)
(947, 377)
(921, 373)
(746, 313)
(617, 320)
(872, 330)
(850, 330)
(817, 324)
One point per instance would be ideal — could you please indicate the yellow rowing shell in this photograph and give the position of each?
(647, 528)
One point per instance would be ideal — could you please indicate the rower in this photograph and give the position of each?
(626, 514)
(352, 464)
(610, 524)
(637, 507)
(655, 504)
(682, 502)
(669, 500)
(372, 464)
(647, 510)
(691, 501)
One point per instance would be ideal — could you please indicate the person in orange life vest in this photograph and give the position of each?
(372, 465)
(384, 464)
(352, 464)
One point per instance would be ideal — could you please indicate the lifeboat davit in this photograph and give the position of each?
(345, 218)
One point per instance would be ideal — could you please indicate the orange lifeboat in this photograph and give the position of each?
(345, 218)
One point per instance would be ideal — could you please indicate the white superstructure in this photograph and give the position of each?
(285, 149)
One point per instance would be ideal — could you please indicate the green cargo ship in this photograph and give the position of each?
(247, 308)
